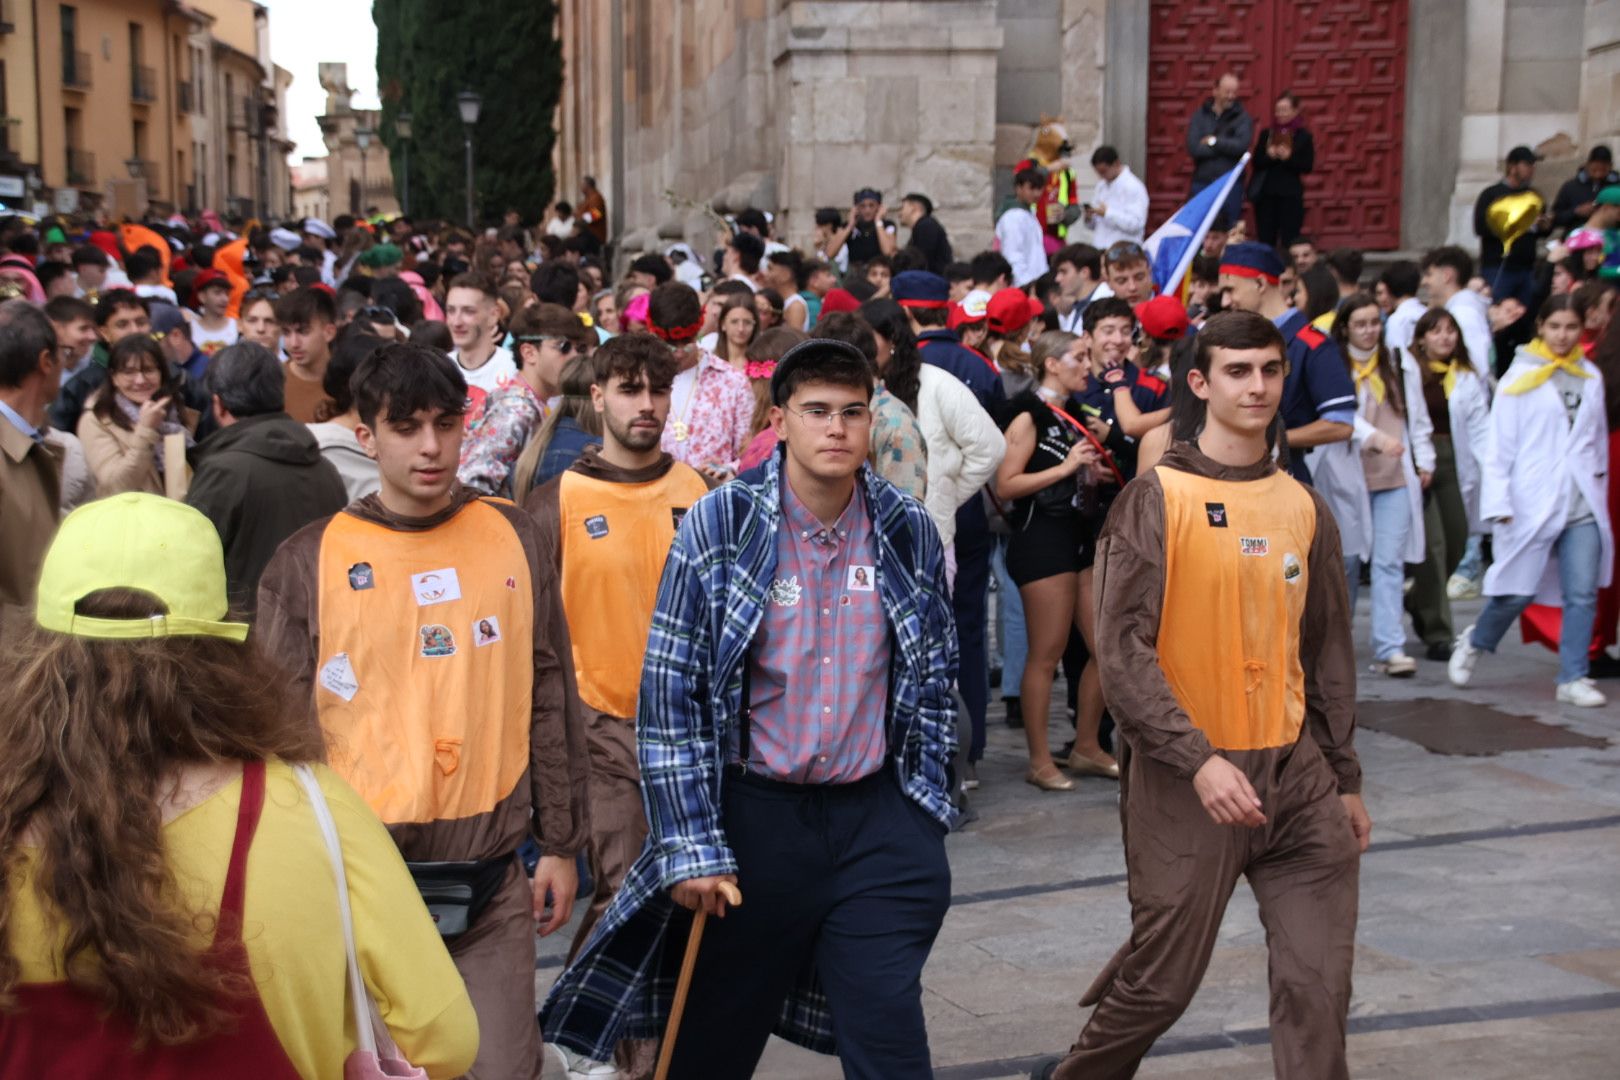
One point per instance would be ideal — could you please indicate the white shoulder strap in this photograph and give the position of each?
(358, 995)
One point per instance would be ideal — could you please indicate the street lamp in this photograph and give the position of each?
(402, 130)
(469, 103)
(136, 167)
(362, 139)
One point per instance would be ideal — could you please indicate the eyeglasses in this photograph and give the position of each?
(564, 346)
(819, 417)
(376, 315)
(1124, 251)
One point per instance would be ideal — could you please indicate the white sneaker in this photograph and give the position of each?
(579, 1067)
(1582, 692)
(1397, 666)
(1462, 588)
(1460, 668)
(970, 776)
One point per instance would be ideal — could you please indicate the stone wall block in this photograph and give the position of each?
(891, 110)
(840, 109)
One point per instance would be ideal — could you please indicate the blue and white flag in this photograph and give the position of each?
(1171, 248)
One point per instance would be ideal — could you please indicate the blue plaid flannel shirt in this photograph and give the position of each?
(710, 603)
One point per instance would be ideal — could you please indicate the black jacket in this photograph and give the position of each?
(1523, 255)
(1233, 131)
(1577, 190)
(929, 239)
(259, 481)
(1281, 179)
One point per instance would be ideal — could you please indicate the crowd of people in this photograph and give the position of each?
(500, 570)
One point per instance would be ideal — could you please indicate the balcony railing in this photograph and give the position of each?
(76, 70)
(142, 83)
(183, 96)
(148, 171)
(81, 168)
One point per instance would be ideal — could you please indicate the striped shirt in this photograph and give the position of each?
(820, 673)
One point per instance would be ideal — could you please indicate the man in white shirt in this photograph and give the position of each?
(1401, 281)
(1446, 272)
(471, 315)
(1019, 231)
(1119, 209)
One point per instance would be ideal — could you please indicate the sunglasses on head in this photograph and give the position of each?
(1124, 251)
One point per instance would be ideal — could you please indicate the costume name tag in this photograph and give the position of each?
(337, 675)
(1254, 545)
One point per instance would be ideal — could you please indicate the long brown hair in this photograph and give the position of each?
(93, 731)
(575, 383)
(129, 352)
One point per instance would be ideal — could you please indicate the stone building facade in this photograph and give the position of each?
(789, 105)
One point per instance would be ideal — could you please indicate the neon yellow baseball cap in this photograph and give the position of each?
(144, 542)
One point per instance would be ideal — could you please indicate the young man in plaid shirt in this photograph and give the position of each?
(794, 726)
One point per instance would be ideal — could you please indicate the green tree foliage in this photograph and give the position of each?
(507, 51)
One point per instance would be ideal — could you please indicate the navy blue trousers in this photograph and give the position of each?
(851, 877)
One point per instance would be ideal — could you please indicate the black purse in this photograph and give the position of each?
(456, 893)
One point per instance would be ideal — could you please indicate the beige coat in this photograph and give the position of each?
(124, 459)
(30, 479)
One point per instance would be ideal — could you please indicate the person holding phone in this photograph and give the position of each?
(123, 430)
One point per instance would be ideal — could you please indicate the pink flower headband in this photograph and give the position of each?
(760, 369)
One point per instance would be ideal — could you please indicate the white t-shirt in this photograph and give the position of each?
(209, 342)
(496, 372)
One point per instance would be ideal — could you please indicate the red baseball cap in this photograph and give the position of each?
(1010, 310)
(1163, 318)
(208, 277)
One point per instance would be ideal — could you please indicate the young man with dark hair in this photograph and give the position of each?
(1119, 208)
(1301, 253)
(1019, 231)
(1510, 271)
(650, 270)
(822, 786)
(260, 476)
(1077, 271)
(742, 257)
(711, 403)
(145, 269)
(471, 315)
(75, 323)
(927, 235)
(1319, 398)
(1400, 281)
(1345, 265)
(30, 466)
(423, 633)
(557, 282)
(1446, 274)
(307, 319)
(990, 271)
(91, 267)
(865, 236)
(1237, 721)
(609, 520)
(1120, 402)
(56, 279)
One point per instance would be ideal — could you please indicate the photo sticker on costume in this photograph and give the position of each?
(437, 640)
(596, 526)
(361, 576)
(677, 513)
(1257, 546)
(337, 675)
(486, 631)
(1291, 568)
(860, 579)
(785, 592)
(436, 587)
(1216, 513)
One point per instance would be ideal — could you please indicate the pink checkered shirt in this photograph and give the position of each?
(820, 675)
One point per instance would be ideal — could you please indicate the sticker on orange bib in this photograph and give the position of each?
(1258, 546)
(436, 587)
(437, 641)
(1291, 568)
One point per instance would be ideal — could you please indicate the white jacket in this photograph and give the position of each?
(1339, 475)
(1470, 309)
(1469, 407)
(1023, 243)
(964, 445)
(1532, 454)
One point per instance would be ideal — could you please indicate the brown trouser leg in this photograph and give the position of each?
(1181, 869)
(618, 832)
(496, 961)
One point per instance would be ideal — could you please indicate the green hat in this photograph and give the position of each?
(382, 255)
(1609, 196)
(55, 235)
(143, 542)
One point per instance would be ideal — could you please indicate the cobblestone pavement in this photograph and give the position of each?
(1488, 944)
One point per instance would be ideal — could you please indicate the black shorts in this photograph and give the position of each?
(1049, 544)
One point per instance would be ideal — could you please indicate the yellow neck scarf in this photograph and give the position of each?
(1569, 363)
(1448, 374)
(1367, 372)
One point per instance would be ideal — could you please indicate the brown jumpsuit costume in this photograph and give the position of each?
(1227, 630)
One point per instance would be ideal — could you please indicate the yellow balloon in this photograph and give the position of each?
(1512, 216)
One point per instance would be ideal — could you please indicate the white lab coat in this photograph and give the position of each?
(1470, 309)
(1339, 476)
(1469, 408)
(1126, 198)
(964, 445)
(1402, 321)
(1531, 455)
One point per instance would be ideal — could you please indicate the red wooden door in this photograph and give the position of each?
(1345, 59)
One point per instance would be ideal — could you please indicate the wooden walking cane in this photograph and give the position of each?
(683, 984)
